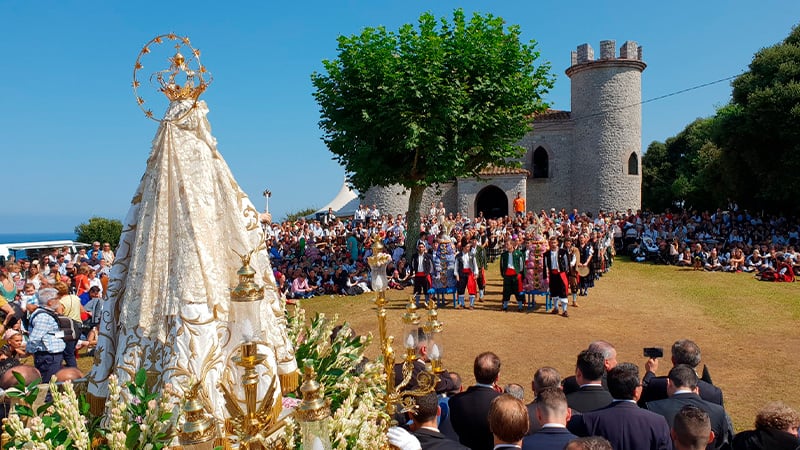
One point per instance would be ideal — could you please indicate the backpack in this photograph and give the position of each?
(70, 328)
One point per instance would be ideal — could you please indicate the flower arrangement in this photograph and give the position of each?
(136, 418)
(354, 385)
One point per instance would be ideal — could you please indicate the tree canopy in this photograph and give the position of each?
(749, 151)
(100, 229)
(427, 104)
(684, 168)
(760, 128)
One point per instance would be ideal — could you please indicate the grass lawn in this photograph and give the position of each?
(748, 330)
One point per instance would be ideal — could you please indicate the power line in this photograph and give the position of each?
(660, 97)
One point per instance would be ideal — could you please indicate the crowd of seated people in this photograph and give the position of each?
(34, 292)
(720, 241)
(607, 405)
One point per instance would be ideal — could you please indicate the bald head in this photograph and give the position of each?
(29, 373)
(608, 351)
(68, 374)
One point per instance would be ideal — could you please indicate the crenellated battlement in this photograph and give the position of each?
(629, 50)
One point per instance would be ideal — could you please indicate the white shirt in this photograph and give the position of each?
(554, 259)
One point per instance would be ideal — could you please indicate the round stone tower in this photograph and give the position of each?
(607, 115)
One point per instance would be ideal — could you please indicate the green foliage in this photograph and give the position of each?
(427, 104)
(297, 215)
(760, 128)
(354, 385)
(100, 229)
(144, 418)
(330, 358)
(684, 168)
(749, 151)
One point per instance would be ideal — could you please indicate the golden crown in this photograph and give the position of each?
(185, 79)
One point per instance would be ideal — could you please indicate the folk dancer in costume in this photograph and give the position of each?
(572, 274)
(422, 267)
(587, 252)
(466, 268)
(556, 264)
(482, 259)
(512, 262)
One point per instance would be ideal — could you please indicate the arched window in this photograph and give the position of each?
(541, 163)
(633, 164)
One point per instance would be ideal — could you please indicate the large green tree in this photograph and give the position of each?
(100, 229)
(429, 103)
(760, 129)
(685, 168)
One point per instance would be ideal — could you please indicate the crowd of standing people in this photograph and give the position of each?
(329, 255)
(605, 405)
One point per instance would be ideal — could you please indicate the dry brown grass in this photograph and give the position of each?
(746, 329)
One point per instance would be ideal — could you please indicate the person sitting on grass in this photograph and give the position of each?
(713, 263)
(736, 261)
(300, 287)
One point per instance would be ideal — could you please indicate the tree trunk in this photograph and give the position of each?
(413, 220)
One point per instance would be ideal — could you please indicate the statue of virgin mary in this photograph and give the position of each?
(169, 305)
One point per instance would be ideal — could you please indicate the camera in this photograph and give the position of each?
(653, 352)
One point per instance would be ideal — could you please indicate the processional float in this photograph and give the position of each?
(171, 309)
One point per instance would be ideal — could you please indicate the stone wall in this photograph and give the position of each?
(606, 111)
(468, 189)
(555, 191)
(394, 199)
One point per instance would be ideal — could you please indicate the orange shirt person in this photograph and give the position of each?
(519, 205)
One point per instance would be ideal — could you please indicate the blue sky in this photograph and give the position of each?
(74, 144)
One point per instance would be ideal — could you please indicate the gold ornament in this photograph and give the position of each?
(195, 81)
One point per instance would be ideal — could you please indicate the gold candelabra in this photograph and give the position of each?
(256, 422)
(403, 394)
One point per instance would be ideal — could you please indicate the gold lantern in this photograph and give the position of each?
(314, 413)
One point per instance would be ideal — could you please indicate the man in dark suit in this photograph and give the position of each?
(508, 420)
(555, 266)
(421, 267)
(424, 426)
(691, 429)
(589, 370)
(545, 377)
(469, 410)
(511, 269)
(552, 412)
(682, 390)
(684, 351)
(570, 385)
(624, 424)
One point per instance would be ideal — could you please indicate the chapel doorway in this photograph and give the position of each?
(492, 202)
